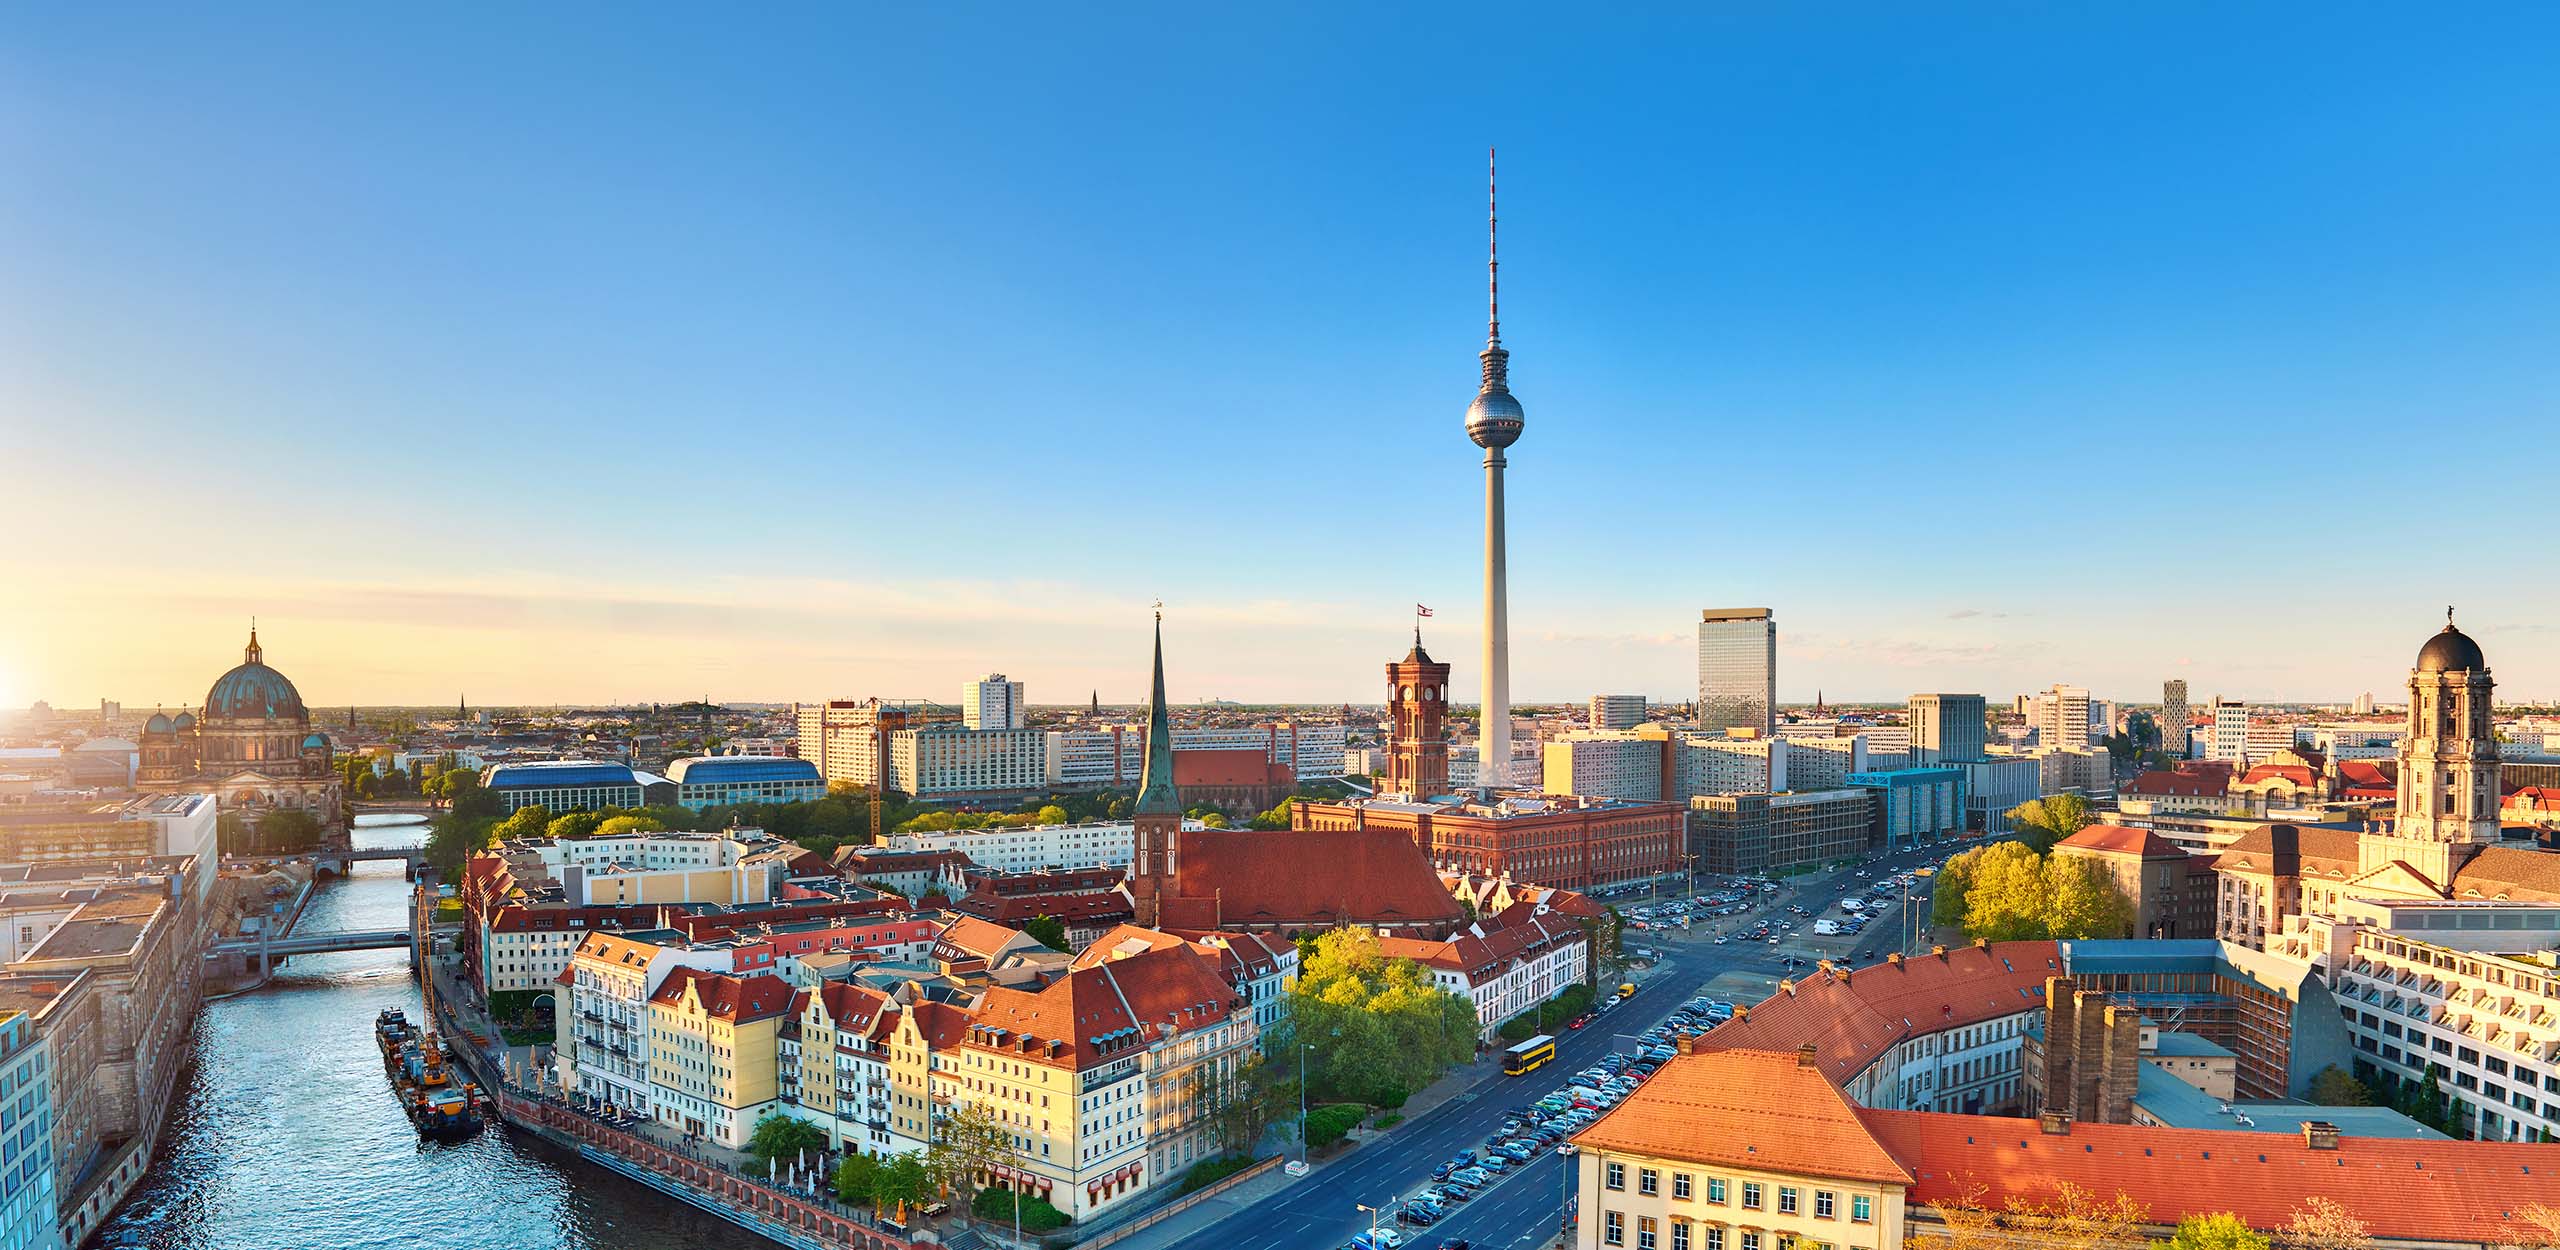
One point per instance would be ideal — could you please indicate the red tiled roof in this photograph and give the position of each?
(2119, 840)
(1853, 1019)
(2419, 1190)
(2194, 780)
(1747, 1109)
(974, 938)
(2295, 773)
(737, 999)
(1518, 934)
(2366, 773)
(1020, 909)
(1312, 877)
(1138, 997)
(1228, 767)
(852, 1008)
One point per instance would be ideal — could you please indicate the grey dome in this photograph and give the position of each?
(1494, 420)
(2451, 651)
(158, 724)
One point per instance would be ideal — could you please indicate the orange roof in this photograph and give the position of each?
(1750, 1109)
(1098, 1011)
(1853, 1019)
(2193, 780)
(969, 937)
(2420, 1190)
(2119, 840)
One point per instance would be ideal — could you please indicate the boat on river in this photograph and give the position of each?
(439, 1103)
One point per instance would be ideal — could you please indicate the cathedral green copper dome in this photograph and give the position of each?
(253, 690)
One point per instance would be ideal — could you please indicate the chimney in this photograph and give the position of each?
(1827, 966)
(1893, 959)
(1807, 1056)
(1787, 987)
(2055, 1123)
(1982, 944)
(1940, 952)
(2319, 1135)
(1741, 1013)
(1688, 1043)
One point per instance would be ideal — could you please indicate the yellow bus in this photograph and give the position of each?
(1528, 1056)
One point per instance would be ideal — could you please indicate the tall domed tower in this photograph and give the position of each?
(2448, 801)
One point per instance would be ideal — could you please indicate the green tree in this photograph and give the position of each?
(2045, 821)
(1214, 820)
(2007, 901)
(288, 830)
(1948, 890)
(454, 837)
(1049, 931)
(969, 1141)
(1386, 1028)
(2219, 1231)
(621, 825)
(779, 1138)
(231, 834)
(2334, 1087)
(855, 1175)
(2084, 900)
(901, 1182)
(530, 821)
(1050, 815)
(577, 824)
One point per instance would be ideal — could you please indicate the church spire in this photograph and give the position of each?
(253, 653)
(1156, 795)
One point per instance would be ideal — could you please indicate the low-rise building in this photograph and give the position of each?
(1571, 842)
(1757, 834)
(574, 785)
(605, 1029)
(1916, 804)
(1503, 968)
(723, 780)
(2172, 891)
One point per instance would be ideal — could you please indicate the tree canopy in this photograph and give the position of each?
(1380, 1027)
(1049, 931)
(2218, 1231)
(778, 1137)
(2006, 892)
(2045, 821)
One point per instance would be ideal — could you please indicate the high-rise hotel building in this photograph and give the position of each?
(1738, 669)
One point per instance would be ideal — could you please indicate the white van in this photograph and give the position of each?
(1853, 904)
(1826, 928)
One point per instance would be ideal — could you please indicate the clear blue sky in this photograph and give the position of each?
(579, 352)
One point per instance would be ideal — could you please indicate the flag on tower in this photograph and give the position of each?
(1419, 610)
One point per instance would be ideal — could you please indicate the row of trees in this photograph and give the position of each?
(283, 831)
(2007, 892)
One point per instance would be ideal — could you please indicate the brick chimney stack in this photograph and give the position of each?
(1808, 1057)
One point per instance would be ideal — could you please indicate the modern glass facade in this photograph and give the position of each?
(1738, 669)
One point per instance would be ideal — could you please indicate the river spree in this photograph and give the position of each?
(285, 1137)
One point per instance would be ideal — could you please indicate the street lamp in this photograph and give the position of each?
(1373, 1221)
(1564, 1188)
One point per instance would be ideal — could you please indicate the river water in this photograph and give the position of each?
(285, 1136)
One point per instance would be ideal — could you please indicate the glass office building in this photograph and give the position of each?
(1947, 728)
(1738, 669)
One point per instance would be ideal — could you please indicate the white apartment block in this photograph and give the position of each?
(949, 759)
(2062, 718)
(1825, 763)
(2443, 996)
(602, 1050)
(1617, 711)
(1730, 766)
(2230, 739)
(991, 702)
(1505, 972)
(1100, 844)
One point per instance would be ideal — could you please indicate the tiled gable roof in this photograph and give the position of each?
(1748, 1109)
(2119, 840)
(1099, 1010)
(740, 1000)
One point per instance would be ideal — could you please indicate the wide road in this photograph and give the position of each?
(1522, 1209)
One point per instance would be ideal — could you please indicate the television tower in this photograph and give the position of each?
(1493, 423)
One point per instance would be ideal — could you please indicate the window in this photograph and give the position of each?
(1786, 1199)
(1648, 1181)
(1750, 1241)
(1613, 1228)
(1615, 1176)
(1644, 1233)
(1822, 1204)
(1680, 1235)
(1862, 1209)
(1750, 1200)
(1680, 1186)
(1717, 1190)
(1715, 1238)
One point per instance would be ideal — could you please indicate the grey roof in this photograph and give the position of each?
(2451, 651)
